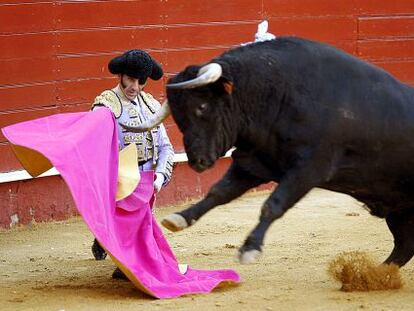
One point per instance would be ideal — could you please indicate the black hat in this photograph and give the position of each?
(136, 64)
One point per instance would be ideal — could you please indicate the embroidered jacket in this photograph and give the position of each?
(154, 147)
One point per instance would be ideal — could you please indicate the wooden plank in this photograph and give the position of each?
(375, 7)
(177, 60)
(278, 8)
(347, 46)
(385, 27)
(402, 70)
(81, 91)
(26, 17)
(83, 67)
(200, 11)
(11, 2)
(109, 40)
(107, 13)
(27, 45)
(176, 138)
(85, 91)
(329, 28)
(20, 116)
(169, 122)
(87, 66)
(203, 35)
(385, 49)
(27, 70)
(156, 88)
(36, 200)
(75, 108)
(186, 184)
(8, 160)
(31, 96)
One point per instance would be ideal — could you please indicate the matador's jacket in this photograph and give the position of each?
(155, 151)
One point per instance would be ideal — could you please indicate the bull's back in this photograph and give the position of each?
(360, 110)
(362, 102)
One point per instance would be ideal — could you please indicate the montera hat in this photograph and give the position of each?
(136, 64)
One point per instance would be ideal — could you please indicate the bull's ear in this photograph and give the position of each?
(224, 85)
(228, 87)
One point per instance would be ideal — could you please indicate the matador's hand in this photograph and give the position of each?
(159, 180)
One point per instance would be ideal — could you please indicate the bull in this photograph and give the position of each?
(302, 114)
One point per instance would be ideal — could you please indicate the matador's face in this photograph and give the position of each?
(131, 86)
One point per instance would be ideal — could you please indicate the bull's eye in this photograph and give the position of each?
(199, 111)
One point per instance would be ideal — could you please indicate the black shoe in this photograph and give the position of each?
(97, 250)
(119, 275)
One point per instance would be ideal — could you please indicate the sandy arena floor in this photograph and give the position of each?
(50, 267)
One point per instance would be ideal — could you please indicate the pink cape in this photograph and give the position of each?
(83, 147)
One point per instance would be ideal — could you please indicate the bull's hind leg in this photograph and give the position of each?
(401, 225)
(233, 184)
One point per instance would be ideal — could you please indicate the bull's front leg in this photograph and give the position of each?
(234, 183)
(292, 187)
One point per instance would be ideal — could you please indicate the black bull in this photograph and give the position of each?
(305, 115)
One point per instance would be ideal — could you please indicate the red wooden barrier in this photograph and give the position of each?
(54, 54)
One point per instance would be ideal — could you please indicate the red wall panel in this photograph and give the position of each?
(27, 45)
(178, 59)
(27, 70)
(26, 17)
(386, 49)
(176, 138)
(83, 67)
(81, 91)
(386, 7)
(56, 52)
(74, 107)
(8, 161)
(29, 96)
(205, 35)
(28, 201)
(386, 27)
(316, 28)
(291, 8)
(108, 40)
(19, 116)
(98, 14)
(201, 11)
(54, 59)
(403, 70)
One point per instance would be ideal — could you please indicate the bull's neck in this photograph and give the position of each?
(259, 112)
(257, 98)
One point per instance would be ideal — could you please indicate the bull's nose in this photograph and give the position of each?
(199, 164)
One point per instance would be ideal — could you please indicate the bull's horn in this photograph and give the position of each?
(157, 118)
(207, 74)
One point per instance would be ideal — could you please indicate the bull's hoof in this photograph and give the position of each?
(249, 257)
(174, 222)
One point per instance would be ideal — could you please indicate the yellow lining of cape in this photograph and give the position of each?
(130, 275)
(36, 164)
(182, 268)
(128, 172)
(32, 161)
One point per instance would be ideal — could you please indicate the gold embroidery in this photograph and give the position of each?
(132, 112)
(110, 100)
(151, 103)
